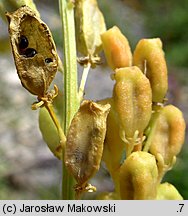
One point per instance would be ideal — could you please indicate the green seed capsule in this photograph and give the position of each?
(132, 99)
(48, 129)
(138, 177)
(116, 48)
(166, 134)
(89, 26)
(149, 57)
(85, 140)
(49, 133)
(113, 145)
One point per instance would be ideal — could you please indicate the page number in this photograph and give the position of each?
(181, 207)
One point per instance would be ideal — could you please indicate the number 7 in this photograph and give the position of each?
(181, 207)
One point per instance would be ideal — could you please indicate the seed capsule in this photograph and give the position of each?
(149, 57)
(132, 99)
(113, 144)
(48, 129)
(26, 28)
(167, 191)
(116, 48)
(85, 139)
(138, 177)
(166, 134)
(49, 133)
(89, 25)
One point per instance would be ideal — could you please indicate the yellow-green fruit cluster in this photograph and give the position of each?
(150, 133)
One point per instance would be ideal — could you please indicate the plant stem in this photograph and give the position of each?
(71, 102)
(83, 81)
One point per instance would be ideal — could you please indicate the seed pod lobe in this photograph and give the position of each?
(85, 139)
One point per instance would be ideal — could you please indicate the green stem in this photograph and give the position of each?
(71, 102)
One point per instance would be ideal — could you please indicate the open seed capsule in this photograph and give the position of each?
(132, 99)
(85, 140)
(138, 177)
(26, 28)
(149, 57)
(116, 48)
(166, 134)
(89, 25)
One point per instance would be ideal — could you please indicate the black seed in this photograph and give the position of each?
(23, 42)
(30, 52)
(48, 60)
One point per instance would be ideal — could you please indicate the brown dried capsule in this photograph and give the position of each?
(132, 99)
(85, 139)
(138, 177)
(27, 29)
(116, 48)
(149, 57)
